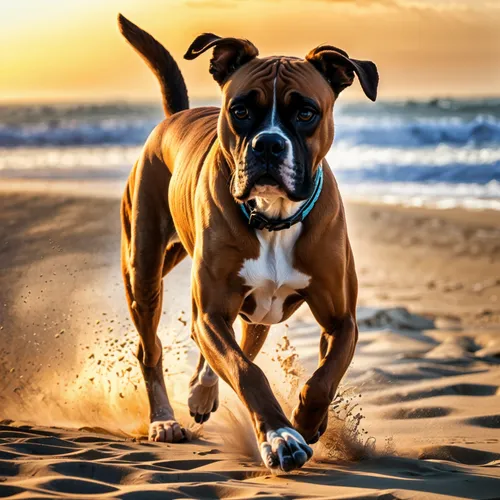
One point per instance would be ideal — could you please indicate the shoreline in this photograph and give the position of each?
(387, 239)
(114, 188)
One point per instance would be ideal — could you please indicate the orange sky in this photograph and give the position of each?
(70, 50)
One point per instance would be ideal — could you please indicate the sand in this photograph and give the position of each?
(419, 410)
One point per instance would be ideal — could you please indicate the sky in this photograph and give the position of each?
(53, 50)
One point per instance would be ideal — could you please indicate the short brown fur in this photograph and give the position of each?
(180, 188)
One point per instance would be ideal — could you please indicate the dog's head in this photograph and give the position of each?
(276, 121)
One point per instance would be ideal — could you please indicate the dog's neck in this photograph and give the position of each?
(277, 207)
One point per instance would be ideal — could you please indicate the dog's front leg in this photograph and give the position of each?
(204, 384)
(215, 307)
(338, 340)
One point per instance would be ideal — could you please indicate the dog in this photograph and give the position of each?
(246, 191)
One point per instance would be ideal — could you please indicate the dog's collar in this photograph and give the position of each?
(260, 221)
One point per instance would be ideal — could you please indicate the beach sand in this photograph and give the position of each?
(419, 410)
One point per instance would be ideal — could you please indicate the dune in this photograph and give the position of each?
(417, 416)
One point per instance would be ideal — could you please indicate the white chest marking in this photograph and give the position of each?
(272, 277)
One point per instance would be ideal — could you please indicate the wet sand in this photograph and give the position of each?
(419, 411)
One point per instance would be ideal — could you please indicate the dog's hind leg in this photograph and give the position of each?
(203, 396)
(204, 385)
(147, 255)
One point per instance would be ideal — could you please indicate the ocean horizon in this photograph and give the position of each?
(434, 152)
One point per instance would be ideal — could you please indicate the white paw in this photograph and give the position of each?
(285, 448)
(166, 431)
(203, 400)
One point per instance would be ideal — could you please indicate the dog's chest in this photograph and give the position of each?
(271, 277)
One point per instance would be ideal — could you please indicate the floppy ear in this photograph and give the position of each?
(229, 54)
(339, 69)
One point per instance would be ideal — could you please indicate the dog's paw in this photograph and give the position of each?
(310, 436)
(286, 449)
(203, 400)
(166, 431)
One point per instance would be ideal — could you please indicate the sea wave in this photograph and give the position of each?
(105, 132)
(444, 163)
(343, 156)
(386, 124)
(68, 162)
(431, 108)
(457, 173)
(439, 195)
(480, 131)
(411, 151)
(77, 124)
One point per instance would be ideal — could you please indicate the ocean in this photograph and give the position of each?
(441, 152)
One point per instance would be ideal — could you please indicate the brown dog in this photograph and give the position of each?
(246, 192)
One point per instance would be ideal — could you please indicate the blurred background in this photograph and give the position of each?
(76, 103)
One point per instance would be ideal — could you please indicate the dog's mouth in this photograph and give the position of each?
(255, 182)
(266, 186)
(258, 184)
(266, 180)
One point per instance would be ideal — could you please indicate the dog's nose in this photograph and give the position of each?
(269, 145)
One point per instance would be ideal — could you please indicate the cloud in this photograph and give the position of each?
(422, 5)
(211, 4)
(417, 6)
(233, 3)
(361, 3)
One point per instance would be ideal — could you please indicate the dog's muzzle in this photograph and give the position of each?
(268, 152)
(271, 148)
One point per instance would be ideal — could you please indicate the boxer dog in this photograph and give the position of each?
(246, 191)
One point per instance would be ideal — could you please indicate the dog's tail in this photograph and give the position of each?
(163, 65)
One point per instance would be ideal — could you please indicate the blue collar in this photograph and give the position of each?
(259, 221)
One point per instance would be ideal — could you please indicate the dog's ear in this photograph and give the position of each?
(229, 54)
(339, 69)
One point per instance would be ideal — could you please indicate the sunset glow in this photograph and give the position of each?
(54, 50)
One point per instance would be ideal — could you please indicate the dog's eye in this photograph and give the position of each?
(306, 114)
(239, 111)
